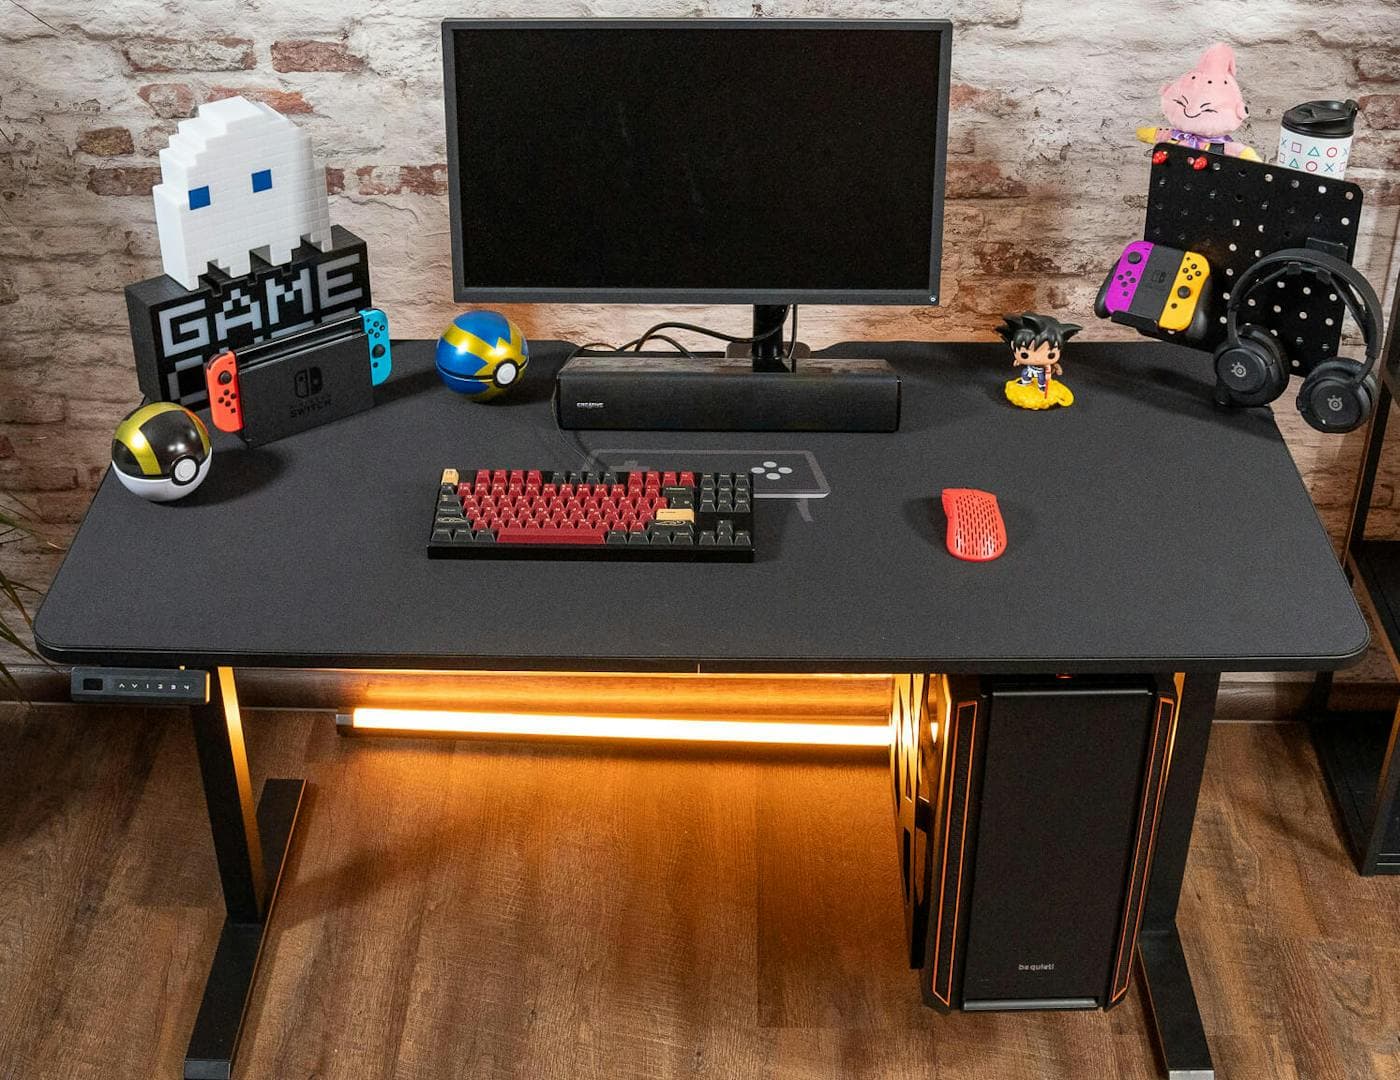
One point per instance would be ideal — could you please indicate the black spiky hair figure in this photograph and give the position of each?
(1027, 332)
(1037, 343)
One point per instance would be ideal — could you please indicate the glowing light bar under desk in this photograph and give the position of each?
(371, 721)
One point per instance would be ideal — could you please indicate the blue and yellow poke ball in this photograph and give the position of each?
(482, 354)
(161, 451)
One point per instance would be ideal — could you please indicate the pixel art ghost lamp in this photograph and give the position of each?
(246, 244)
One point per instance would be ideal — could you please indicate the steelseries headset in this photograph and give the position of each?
(1250, 366)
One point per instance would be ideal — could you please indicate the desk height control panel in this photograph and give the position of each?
(141, 686)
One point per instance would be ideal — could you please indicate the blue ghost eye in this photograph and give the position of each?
(262, 179)
(199, 196)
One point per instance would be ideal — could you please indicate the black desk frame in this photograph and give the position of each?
(1360, 753)
(252, 842)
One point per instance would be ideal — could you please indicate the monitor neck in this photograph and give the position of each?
(768, 353)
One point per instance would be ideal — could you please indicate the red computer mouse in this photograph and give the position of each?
(976, 531)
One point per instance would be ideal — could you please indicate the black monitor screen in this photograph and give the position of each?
(702, 160)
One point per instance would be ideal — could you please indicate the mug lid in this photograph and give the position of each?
(1329, 119)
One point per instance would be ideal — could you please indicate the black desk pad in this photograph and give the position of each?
(1147, 531)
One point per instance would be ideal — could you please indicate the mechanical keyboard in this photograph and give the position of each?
(685, 515)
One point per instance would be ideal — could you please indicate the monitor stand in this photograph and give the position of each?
(754, 391)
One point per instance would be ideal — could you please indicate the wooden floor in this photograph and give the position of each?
(481, 911)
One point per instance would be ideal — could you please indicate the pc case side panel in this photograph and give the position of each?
(959, 706)
(1154, 785)
(1060, 797)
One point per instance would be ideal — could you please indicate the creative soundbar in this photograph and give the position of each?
(643, 392)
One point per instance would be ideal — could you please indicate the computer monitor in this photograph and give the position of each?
(759, 161)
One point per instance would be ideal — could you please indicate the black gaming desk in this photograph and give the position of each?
(1148, 532)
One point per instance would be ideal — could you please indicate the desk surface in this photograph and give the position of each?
(1148, 530)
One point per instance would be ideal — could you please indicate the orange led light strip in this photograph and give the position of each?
(371, 720)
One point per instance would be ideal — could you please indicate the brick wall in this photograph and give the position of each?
(1045, 181)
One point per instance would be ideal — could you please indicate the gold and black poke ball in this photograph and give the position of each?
(161, 452)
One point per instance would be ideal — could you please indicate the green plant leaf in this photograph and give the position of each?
(11, 589)
(13, 527)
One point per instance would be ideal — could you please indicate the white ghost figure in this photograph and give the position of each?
(237, 179)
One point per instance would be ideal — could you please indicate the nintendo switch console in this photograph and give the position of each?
(1159, 291)
(277, 388)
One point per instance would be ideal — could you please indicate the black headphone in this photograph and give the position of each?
(1251, 369)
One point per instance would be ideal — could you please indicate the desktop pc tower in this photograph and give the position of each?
(1027, 814)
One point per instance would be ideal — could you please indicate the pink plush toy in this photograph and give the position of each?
(1203, 107)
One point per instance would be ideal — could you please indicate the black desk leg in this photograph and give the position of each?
(1169, 996)
(251, 846)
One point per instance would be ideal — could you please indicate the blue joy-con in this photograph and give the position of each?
(381, 360)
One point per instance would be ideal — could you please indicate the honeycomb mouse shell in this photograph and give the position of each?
(976, 531)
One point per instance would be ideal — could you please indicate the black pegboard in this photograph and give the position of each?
(1233, 212)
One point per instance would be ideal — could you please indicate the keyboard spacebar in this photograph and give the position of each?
(550, 536)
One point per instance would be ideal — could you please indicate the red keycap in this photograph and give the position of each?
(499, 476)
(687, 479)
(619, 491)
(668, 479)
(517, 476)
(583, 491)
(582, 535)
(483, 476)
(534, 477)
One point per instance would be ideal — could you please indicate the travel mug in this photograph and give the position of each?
(1315, 137)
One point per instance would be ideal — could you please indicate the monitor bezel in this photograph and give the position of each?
(462, 293)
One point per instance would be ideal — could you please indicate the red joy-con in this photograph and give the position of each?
(225, 406)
